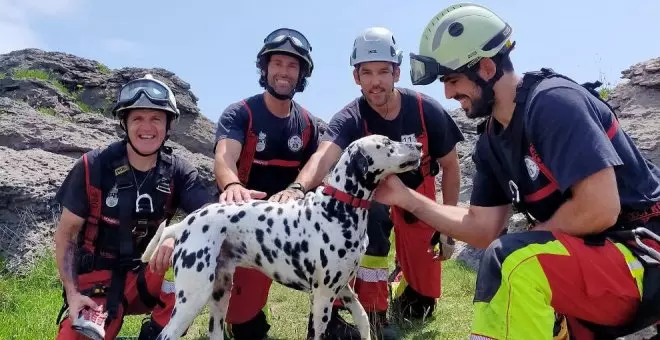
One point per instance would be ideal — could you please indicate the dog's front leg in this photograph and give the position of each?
(322, 299)
(350, 300)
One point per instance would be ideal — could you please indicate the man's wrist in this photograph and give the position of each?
(297, 186)
(232, 183)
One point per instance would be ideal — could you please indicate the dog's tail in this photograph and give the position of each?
(161, 235)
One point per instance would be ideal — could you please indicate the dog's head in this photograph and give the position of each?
(367, 160)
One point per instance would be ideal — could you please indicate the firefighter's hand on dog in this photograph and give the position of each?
(162, 259)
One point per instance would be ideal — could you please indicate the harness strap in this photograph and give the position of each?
(346, 198)
(248, 152)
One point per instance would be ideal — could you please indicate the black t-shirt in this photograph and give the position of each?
(189, 192)
(569, 130)
(278, 139)
(347, 125)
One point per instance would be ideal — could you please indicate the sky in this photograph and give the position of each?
(213, 44)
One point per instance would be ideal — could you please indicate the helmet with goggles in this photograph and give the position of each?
(146, 93)
(456, 39)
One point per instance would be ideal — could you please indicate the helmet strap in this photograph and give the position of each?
(484, 106)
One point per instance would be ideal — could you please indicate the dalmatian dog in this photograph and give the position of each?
(313, 244)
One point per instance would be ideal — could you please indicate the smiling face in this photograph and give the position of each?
(147, 129)
(460, 88)
(376, 79)
(283, 73)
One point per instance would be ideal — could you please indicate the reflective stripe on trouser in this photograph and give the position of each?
(371, 283)
(524, 278)
(156, 286)
(249, 295)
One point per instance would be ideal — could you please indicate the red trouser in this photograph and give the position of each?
(135, 306)
(524, 278)
(249, 295)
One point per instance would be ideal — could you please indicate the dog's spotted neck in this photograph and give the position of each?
(351, 182)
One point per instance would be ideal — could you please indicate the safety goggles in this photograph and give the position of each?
(425, 70)
(155, 92)
(297, 39)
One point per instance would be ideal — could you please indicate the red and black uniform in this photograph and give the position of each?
(559, 134)
(420, 119)
(103, 189)
(273, 152)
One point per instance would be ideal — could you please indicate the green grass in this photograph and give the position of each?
(29, 306)
(103, 69)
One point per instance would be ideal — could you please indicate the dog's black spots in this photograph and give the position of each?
(278, 243)
(360, 193)
(261, 218)
(347, 299)
(184, 235)
(326, 238)
(317, 226)
(222, 325)
(304, 246)
(206, 211)
(287, 262)
(332, 247)
(316, 285)
(287, 230)
(176, 271)
(341, 253)
(205, 228)
(356, 244)
(325, 309)
(191, 220)
(218, 294)
(267, 253)
(221, 211)
(337, 289)
(287, 248)
(207, 259)
(176, 242)
(211, 324)
(308, 266)
(173, 312)
(274, 253)
(223, 230)
(348, 245)
(299, 214)
(335, 280)
(280, 211)
(325, 318)
(295, 224)
(211, 277)
(268, 230)
(347, 234)
(200, 253)
(324, 259)
(268, 208)
(337, 178)
(276, 276)
(184, 300)
(257, 260)
(237, 217)
(308, 213)
(326, 279)
(270, 222)
(260, 235)
(176, 255)
(180, 295)
(188, 260)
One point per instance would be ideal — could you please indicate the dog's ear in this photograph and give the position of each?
(359, 163)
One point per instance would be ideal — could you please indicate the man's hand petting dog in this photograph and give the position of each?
(237, 193)
(162, 259)
(287, 195)
(392, 191)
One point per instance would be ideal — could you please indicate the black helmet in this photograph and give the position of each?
(290, 42)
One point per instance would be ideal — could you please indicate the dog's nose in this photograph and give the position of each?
(418, 146)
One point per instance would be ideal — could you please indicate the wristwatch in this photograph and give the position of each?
(297, 186)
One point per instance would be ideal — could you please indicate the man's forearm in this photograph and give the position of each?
(457, 222)
(225, 172)
(65, 255)
(451, 185)
(313, 172)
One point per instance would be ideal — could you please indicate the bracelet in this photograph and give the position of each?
(232, 183)
(297, 186)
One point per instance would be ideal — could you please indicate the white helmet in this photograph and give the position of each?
(375, 44)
